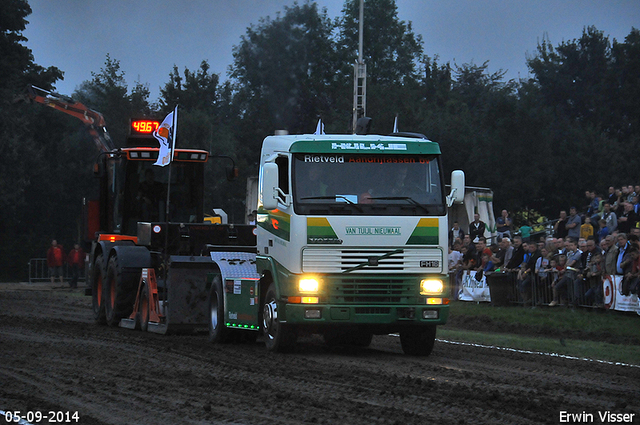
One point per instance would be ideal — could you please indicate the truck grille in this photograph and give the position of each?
(370, 291)
(331, 260)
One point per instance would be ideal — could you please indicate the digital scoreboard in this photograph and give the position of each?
(143, 127)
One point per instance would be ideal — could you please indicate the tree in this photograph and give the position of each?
(107, 93)
(199, 91)
(393, 56)
(391, 50)
(284, 69)
(203, 123)
(625, 68)
(20, 154)
(575, 75)
(589, 90)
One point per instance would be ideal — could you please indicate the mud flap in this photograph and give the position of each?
(184, 302)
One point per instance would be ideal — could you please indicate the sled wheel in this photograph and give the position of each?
(97, 301)
(118, 300)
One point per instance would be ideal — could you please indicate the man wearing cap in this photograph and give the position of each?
(573, 224)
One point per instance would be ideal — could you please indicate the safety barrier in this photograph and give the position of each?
(39, 271)
(539, 290)
(591, 292)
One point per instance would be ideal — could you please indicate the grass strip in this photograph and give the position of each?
(582, 332)
(566, 322)
(593, 350)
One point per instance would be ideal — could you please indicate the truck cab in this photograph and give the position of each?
(134, 190)
(352, 238)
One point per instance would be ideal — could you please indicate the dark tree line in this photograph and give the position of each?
(538, 142)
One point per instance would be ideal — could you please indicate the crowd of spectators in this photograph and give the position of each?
(564, 266)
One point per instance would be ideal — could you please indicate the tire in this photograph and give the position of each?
(418, 340)
(218, 331)
(97, 300)
(278, 337)
(118, 298)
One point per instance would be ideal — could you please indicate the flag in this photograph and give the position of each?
(166, 135)
(395, 125)
(319, 128)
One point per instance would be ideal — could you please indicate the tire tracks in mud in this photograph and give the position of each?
(55, 357)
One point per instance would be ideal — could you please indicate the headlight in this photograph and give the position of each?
(308, 285)
(431, 286)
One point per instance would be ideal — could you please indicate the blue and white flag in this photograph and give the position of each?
(166, 135)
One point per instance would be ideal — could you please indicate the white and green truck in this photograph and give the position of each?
(351, 242)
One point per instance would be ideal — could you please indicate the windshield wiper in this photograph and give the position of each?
(346, 199)
(401, 198)
(374, 260)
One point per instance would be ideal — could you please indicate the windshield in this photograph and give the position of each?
(145, 194)
(331, 184)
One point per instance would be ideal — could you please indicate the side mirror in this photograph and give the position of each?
(269, 186)
(457, 188)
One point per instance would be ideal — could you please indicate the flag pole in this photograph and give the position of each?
(166, 214)
(173, 146)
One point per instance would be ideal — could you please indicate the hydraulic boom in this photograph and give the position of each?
(93, 120)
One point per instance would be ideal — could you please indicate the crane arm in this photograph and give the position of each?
(93, 120)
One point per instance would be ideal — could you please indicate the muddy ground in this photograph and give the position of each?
(53, 358)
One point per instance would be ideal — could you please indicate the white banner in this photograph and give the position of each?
(613, 298)
(473, 289)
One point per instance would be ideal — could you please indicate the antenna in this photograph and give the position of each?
(359, 77)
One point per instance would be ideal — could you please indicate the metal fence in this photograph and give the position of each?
(39, 271)
(543, 290)
(538, 290)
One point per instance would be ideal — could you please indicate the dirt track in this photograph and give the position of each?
(53, 358)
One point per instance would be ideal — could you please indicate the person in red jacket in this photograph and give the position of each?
(55, 260)
(75, 259)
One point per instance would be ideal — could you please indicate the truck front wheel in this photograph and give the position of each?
(278, 337)
(418, 340)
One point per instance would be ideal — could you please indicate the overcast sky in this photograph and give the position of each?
(149, 36)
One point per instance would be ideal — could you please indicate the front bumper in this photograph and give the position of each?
(388, 318)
